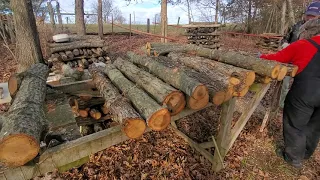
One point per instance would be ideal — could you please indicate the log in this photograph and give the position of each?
(96, 51)
(89, 52)
(69, 54)
(101, 59)
(282, 73)
(80, 51)
(85, 63)
(262, 67)
(76, 52)
(131, 122)
(75, 73)
(105, 109)
(22, 129)
(263, 79)
(85, 52)
(157, 117)
(84, 102)
(163, 93)
(83, 113)
(292, 69)
(14, 83)
(78, 45)
(63, 56)
(176, 78)
(95, 114)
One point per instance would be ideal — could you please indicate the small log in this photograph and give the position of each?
(75, 73)
(176, 78)
(95, 51)
(101, 59)
(263, 79)
(95, 60)
(85, 63)
(157, 117)
(76, 52)
(85, 52)
(89, 120)
(95, 114)
(292, 69)
(84, 101)
(262, 67)
(105, 109)
(83, 113)
(21, 131)
(69, 54)
(80, 51)
(63, 56)
(77, 45)
(241, 93)
(101, 51)
(162, 92)
(14, 83)
(282, 73)
(89, 52)
(131, 122)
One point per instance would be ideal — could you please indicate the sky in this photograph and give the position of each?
(141, 9)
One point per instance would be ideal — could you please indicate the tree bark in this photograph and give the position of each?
(197, 91)
(28, 51)
(157, 117)
(131, 122)
(51, 14)
(164, 20)
(291, 12)
(100, 23)
(163, 93)
(59, 15)
(22, 129)
(262, 67)
(249, 17)
(95, 44)
(283, 17)
(81, 28)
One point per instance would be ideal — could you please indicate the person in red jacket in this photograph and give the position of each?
(301, 113)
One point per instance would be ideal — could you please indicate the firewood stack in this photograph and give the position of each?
(203, 35)
(269, 41)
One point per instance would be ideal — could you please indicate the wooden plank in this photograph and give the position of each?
(236, 130)
(224, 132)
(206, 145)
(79, 86)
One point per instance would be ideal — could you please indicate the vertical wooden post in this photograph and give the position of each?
(178, 21)
(148, 25)
(67, 20)
(224, 132)
(164, 20)
(112, 24)
(100, 23)
(217, 11)
(130, 26)
(155, 23)
(59, 15)
(51, 13)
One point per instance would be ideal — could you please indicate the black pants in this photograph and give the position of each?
(301, 125)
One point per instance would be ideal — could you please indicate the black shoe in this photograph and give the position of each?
(280, 153)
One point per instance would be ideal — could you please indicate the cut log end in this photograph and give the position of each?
(294, 71)
(159, 120)
(282, 73)
(219, 98)
(83, 113)
(198, 104)
(241, 93)
(175, 102)
(200, 92)
(234, 81)
(134, 128)
(251, 76)
(12, 154)
(13, 84)
(275, 72)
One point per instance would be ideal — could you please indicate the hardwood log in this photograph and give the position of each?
(292, 69)
(89, 52)
(22, 129)
(263, 79)
(63, 56)
(78, 45)
(162, 92)
(14, 83)
(262, 67)
(176, 78)
(69, 54)
(80, 51)
(95, 114)
(131, 122)
(85, 52)
(76, 52)
(157, 117)
(282, 73)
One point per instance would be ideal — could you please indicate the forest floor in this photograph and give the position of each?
(164, 155)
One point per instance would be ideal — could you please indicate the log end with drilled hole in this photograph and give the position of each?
(282, 73)
(275, 72)
(13, 84)
(251, 76)
(175, 102)
(197, 104)
(234, 81)
(18, 149)
(134, 128)
(200, 92)
(159, 120)
(242, 92)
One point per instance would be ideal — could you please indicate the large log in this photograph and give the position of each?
(262, 67)
(157, 117)
(162, 92)
(197, 92)
(22, 128)
(131, 122)
(78, 45)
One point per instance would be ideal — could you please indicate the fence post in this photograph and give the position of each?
(178, 21)
(130, 26)
(148, 25)
(112, 24)
(155, 23)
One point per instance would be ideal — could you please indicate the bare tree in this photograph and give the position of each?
(81, 28)
(107, 8)
(28, 49)
(100, 24)
(117, 16)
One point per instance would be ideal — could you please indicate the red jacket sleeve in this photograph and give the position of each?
(284, 56)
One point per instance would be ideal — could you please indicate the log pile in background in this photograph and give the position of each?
(269, 41)
(203, 35)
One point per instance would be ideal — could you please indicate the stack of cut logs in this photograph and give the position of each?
(269, 41)
(71, 59)
(204, 35)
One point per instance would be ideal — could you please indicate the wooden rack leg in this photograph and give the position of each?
(224, 133)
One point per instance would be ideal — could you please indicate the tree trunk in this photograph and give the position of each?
(78, 45)
(217, 12)
(81, 28)
(198, 92)
(157, 117)
(164, 20)
(28, 51)
(51, 14)
(131, 122)
(249, 17)
(261, 67)
(291, 12)
(283, 17)
(100, 23)
(22, 128)
(59, 15)
(160, 91)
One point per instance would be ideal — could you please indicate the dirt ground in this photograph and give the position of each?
(164, 155)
